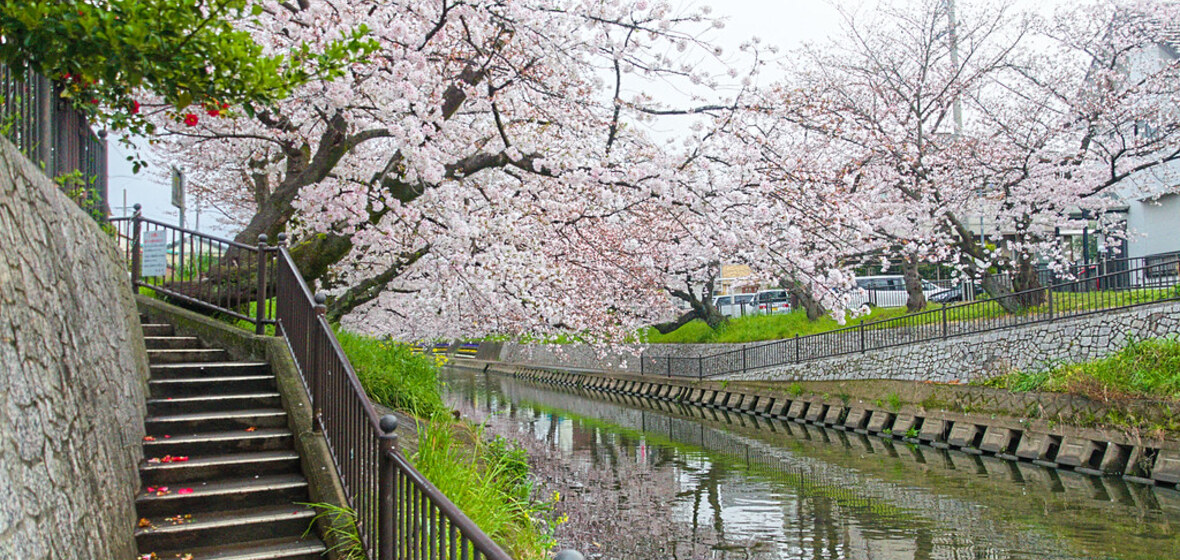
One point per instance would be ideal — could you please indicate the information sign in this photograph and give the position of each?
(155, 254)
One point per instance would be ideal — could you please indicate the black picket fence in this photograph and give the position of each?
(1155, 280)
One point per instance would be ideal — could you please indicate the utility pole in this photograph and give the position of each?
(954, 39)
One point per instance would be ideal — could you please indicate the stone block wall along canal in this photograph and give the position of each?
(643, 477)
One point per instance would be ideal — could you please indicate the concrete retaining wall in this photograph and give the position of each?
(1044, 442)
(73, 375)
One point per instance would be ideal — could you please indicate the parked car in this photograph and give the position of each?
(956, 294)
(886, 291)
(772, 301)
(737, 305)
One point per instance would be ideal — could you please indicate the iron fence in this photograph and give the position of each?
(399, 513)
(1155, 280)
(200, 271)
(47, 130)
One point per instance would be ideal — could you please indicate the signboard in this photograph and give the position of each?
(155, 254)
(178, 184)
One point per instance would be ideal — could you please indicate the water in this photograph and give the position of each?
(645, 480)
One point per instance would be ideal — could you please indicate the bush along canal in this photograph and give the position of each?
(639, 472)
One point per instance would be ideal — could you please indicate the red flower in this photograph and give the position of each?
(213, 112)
(134, 107)
(190, 119)
(94, 102)
(224, 106)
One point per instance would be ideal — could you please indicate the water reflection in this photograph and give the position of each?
(650, 479)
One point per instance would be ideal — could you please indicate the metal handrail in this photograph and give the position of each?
(206, 272)
(399, 513)
(949, 321)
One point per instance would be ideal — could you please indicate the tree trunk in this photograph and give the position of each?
(802, 296)
(1027, 280)
(913, 286)
(703, 310)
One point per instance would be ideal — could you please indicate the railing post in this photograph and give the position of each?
(386, 523)
(136, 258)
(744, 366)
(860, 327)
(317, 384)
(796, 348)
(260, 310)
(1050, 295)
(944, 327)
(282, 242)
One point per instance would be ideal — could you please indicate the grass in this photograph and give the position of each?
(765, 327)
(1143, 369)
(487, 479)
(787, 325)
(393, 376)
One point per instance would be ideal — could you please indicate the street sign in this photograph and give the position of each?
(155, 254)
(178, 185)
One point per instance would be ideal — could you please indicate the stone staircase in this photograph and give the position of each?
(220, 479)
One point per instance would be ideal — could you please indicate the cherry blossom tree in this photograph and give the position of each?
(489, 153)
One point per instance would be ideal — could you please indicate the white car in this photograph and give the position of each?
(737, 305)
(768, 302)
(886, 291)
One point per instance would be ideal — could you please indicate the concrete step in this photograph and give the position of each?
(171, 342)
(218, 443)
(218, 467)
(212, 403)
(187, 355)
(220, 385)
(209, 369)
(158, 329)
(275, 549)
(223, 495)
(223, 528)
(213, 421)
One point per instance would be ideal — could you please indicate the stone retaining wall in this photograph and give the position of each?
(960, 358)
(74, 376)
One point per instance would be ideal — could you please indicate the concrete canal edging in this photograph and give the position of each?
(985, 428)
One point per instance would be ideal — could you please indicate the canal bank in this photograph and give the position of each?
(645, 477)
(1052, 430)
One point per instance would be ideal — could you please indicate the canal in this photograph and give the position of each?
(645, 480)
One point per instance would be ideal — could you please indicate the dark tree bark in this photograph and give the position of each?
(703, 310)
(801, 296)
(913, 286)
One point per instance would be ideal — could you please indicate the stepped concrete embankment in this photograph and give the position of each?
(1048, 430)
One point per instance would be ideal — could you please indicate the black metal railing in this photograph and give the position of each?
(50, 132)
(201, 271)
(399, 513)
(1155, 281)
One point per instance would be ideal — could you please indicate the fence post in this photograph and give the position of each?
(796, 348)
(282, 242)
(744, 366)
(642, 361)
(944, 327)
(260, 310)
(1050, 290)
(136, 258)
(860, 327)
(317, 397)
(386, 523)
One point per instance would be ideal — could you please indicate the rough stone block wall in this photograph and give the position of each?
(967, 358)
(959, 358)
(73, 375)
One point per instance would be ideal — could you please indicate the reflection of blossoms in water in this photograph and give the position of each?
(619, 493)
